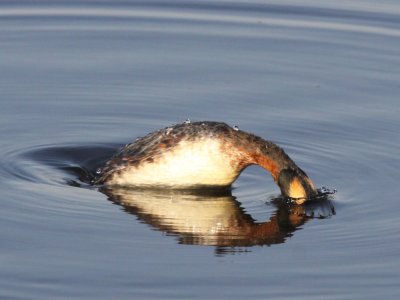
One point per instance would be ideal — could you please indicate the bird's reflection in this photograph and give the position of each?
(213, 218)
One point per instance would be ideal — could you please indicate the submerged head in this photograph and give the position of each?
(294, 183)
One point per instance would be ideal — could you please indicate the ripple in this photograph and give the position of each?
(54, 164)
(262, 16)
(320, 78)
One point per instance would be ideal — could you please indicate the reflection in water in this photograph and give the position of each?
(213, 218)
(197, 217)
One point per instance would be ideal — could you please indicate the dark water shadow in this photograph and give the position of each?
(77, 163)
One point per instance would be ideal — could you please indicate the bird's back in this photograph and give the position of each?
(185, 155)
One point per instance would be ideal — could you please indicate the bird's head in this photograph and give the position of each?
(294, 183)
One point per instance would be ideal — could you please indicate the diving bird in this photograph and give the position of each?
(197, 155)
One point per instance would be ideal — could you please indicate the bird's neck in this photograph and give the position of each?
(292, 181)
(270, 157)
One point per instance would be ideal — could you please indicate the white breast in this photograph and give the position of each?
(187, 165)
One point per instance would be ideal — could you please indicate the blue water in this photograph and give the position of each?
(78, 79)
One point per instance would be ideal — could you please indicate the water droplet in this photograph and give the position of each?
(187, 121)
(168, 130)
(235, 128)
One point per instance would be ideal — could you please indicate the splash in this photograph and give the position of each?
(323, 192)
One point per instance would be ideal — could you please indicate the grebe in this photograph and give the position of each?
(202, 154)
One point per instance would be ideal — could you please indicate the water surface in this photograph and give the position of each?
(78, 79)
